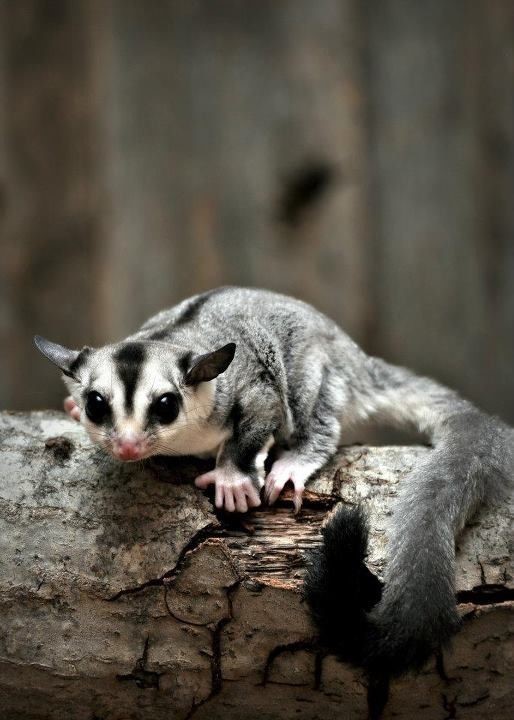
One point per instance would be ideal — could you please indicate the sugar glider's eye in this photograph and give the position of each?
(97, 407)
(166, 408)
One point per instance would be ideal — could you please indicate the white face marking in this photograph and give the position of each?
(189, 434)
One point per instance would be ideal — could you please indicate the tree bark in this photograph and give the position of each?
(124, 596)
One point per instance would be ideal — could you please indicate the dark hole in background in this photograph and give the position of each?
(303, 189)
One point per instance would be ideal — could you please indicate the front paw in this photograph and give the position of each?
(234, 490)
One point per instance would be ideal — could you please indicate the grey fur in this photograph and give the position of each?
(297, 377)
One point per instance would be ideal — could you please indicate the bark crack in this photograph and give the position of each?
(449, 707)
(198, 538)
(287, 647)
(142, 677)
(487, 594)
(318, 669)
(215, 655)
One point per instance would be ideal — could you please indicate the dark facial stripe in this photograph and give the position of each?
(193, 308)
(184, 362)
(190, 313)
(160, 334)
(79, 360)
(129, 359)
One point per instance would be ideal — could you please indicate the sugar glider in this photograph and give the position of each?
(232, 371)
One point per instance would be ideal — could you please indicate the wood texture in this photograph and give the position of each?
(49, 165)
(217, 112)
(357, 154)
(123, 596)
(442, 138)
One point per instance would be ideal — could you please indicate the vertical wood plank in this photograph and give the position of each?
(50, 222)
(6, 309)
(494, 194)
(235, 142)
(215, 111)
(431, 68)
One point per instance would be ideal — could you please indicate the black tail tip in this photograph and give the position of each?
(387, 639)
(339, 588)
(345, 534)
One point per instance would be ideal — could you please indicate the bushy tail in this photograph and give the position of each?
(416, 614)
(339, 587)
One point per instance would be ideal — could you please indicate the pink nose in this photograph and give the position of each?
(128, 450)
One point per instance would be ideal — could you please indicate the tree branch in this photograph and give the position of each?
(123, 595)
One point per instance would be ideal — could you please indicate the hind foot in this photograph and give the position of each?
(288, 468)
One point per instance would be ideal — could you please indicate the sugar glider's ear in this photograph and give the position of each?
(208, 366)
(66, 360)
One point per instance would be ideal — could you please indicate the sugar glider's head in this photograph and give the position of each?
(137, 399)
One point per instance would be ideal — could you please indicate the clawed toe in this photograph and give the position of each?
(233, 491)
(274, 487)
(288, 469)
(297, 500)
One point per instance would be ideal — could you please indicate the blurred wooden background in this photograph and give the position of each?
(357, 154)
